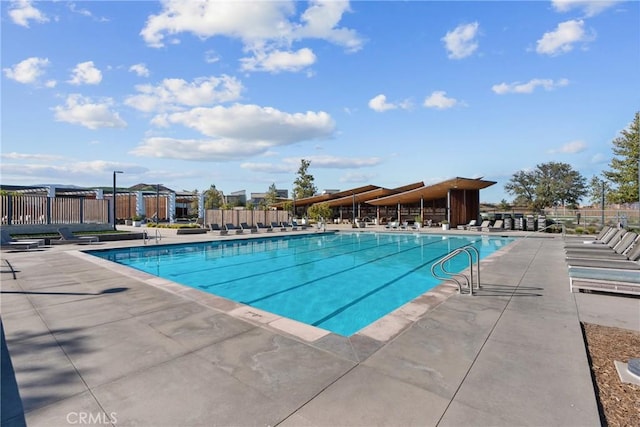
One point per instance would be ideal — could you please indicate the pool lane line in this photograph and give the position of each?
(354, 267)
(288, 267)
(378, 289)
(370, 242)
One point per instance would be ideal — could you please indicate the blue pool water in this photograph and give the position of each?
(341, 282)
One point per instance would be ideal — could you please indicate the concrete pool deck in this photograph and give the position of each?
(96, 344)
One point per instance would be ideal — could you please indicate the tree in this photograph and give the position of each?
(213, 198)
(271, 197)
(319, 211)
(194, 208)
(624, 166)
(504, 205)
(303, 185)
(596, 186)
(559, 185)
(522, 185)
(550, 184)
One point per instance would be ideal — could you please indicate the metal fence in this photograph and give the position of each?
(584, 217)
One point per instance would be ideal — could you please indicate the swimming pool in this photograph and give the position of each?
(340, 282)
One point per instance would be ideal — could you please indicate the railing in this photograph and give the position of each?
(458, 278)
(539, 230)
(157, 236)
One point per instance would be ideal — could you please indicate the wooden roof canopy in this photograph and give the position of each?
(366, 196)
(431, 192)
(407, 194)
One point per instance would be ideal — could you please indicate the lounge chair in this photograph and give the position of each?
(229, 226)
(216, 229)
(66, 236)
(604, 279)
(497, 226)
(472, 223)
(10, 242)
(261, 226)
(485, 224)
(618, 250)
(275, 226)
(610, 237)
(246, 227)
(629, 258)
(416, 226)
(393, 225)
(290, 225)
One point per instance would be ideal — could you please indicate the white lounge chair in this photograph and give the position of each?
(472, 223)
(249, 228)
(497, 226)
(216, 229)
(480, 227)
(231, 227)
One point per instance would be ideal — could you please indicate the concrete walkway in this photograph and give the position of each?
(90, 343)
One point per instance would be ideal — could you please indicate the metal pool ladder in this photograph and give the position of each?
(145, 236)
(460, 278)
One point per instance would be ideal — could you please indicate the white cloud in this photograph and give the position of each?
(570, 148)
(22, 11)
(198, 149)
(236, 132)
(529, 87)
(211, 57)
(461, 42)
(291, 164)
(439, 100)
(140, 69)
(82, 111)
(333, 162)
(65, 169)
(589, 7)
(271, 167)
(85, 73)
(27, 71)
(172, 94)
(352, 177)
(379, 103)
(255, 123)
(278, 60)
(264, 27)
(562, 39)
(320, 22)
(37, 157)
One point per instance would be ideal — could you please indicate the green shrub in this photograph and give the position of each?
(579, 230)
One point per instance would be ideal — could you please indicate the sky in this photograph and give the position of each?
(190, 93)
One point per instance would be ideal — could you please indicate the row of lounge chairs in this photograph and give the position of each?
(246, 228)
(485, 226)
(610, 262)
(395, 225)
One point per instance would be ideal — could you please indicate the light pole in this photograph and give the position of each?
(157, 203)
(602, 201)
(114, 198)
(353, 209)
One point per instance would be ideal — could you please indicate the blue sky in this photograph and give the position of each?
(192, 93)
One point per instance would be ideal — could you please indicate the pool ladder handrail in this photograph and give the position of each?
(157, 237)
(470, 250)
